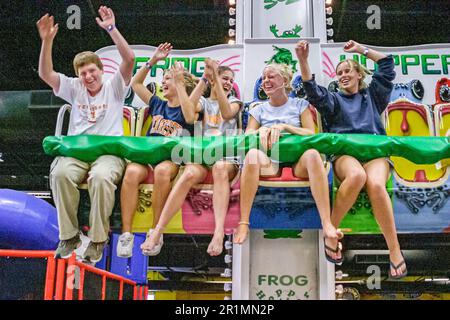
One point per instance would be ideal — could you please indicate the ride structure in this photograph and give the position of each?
(284, 255)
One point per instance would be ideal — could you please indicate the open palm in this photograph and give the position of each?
(106, 17)
(47, 27)
(162, 51)
(302, 49)
(352, 46)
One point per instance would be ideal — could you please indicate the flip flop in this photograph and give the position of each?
(397, 267)
(335, 250)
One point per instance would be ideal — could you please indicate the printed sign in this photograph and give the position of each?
(281, 19)
(288, 274)
(427, 63)
(193, 61)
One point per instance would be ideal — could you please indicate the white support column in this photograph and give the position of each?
(241, 21)
(326, 273)
(319, 20)
(241, 270)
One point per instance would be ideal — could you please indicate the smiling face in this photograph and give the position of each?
(168, 85)
(273, 82)
(227, 80)
(348, 77)
(91, 76)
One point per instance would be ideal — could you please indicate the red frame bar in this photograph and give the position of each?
(103, 287)
(26, 253)
(145, 293)
(135, 293)
(72, 263)
(121, 290)
(81, 289)
(50, 278)
(70, 280)
(60, 274)
(50, 273)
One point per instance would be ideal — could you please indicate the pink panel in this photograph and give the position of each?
(197, 210)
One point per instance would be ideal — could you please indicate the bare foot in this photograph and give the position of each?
(396, 258)
(215, 247)
(241, 234)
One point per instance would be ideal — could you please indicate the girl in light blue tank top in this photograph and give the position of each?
(269, 119)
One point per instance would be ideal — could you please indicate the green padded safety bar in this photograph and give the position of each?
(208, 150)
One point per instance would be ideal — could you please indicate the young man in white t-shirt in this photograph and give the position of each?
(96, 109)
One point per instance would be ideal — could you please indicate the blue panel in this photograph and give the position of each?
(134, 268)
(103, 262)
(422, 210)
(284, 208)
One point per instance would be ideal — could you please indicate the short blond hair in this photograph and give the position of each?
(85, 58)
(363, 71)
(285, 71)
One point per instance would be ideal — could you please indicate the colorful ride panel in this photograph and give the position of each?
(276, 196)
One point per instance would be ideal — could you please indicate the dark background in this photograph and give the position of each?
(403, 22)
(187, 24)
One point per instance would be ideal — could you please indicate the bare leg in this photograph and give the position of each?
(223, 172)
(164, 173)
(135, 173)
(353, 177)
(310, 166)
(193, 174)
(256, 163)
(377, 175)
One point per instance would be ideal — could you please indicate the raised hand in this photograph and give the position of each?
(177, 71)
(353, 46)
(47, 27)
(302, 50)
(107, 17)
(162, 52)
(211, 70)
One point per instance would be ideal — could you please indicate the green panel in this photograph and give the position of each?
(208, 150)
(360, 218)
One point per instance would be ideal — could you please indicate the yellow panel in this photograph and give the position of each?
(146, 126)
(154, 275)
(407, 169)
(445, 126)
(417, 127)
(165, 295)
(144, 216)
(126, 127)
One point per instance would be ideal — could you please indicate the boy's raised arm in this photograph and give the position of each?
(107, 21)
(47, 31)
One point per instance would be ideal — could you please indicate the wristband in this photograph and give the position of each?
(204, 80)
(148, 65)
(110, 28)
(366, 51)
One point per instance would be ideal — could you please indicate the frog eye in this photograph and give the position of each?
(444, 93)
(417, 89)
